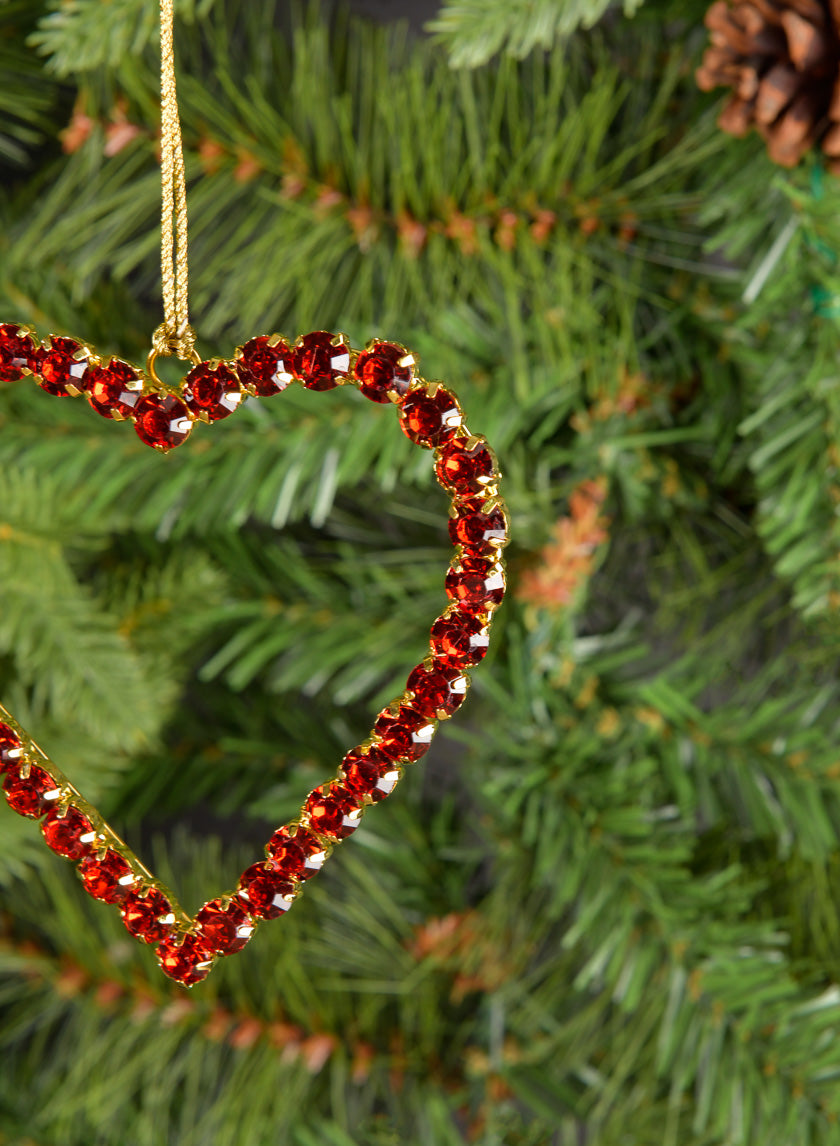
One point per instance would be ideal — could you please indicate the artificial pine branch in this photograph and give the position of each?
(377, 225)
(84, 37)
(475, 30)
(67, 650)
(29, 101)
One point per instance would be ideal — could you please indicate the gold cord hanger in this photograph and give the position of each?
(174, 335)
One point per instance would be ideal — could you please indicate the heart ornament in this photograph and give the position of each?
(430, 415)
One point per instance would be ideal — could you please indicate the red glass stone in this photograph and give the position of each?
(476, 584)
(224, 930)
(265, 893)
(212, 392)
(186, 962)
(369, 774)
(333, 811)
(406, 736)
(163, 421)
(64, 834)
(17, 352)
(439, 692)
(296, 857)
(267, 368)
(318, 363)
(384, 367)
(148, 917)
(430, 420)
(116, 387)
(11, 751)
(465, 471)
(478, 532)
(459, 640)
(108, 879)
(28, 796)
(58, 367)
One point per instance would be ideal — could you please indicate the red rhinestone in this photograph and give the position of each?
(108, 879)
(27, 796)
(465, 471)
(267, 368)
(478, 532)
(148, 917)
(264, 892)
(333, 811)
(406, 736)
(430, 420)
(17, 352)
(440, 691)
(212, 391)
(296, 857)
(10, 748)
(369, 774)
(459, 640)
(162, 421)
(115, 387)
(186, 962)
(384, 367)
(224, 930)
(58, 367)
(318, 363)
(64, 833)
(476, 584)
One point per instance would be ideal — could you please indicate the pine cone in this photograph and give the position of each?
(782, 60)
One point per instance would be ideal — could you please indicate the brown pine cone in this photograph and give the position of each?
(782, 60)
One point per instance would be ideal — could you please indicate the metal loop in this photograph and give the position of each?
(165, 344)
(155, 353)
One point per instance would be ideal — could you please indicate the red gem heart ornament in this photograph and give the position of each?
(430, 415)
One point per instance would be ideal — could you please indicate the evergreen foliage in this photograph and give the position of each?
(475, 30)
(604, 908)
(28, 99)
(83, 36)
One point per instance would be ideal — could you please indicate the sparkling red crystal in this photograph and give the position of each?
(17, 352)
(464, 470)
(439, 692)
(64, 834)
(115, 388)
(430, 419)
(406, 736)
(224, 930)
(318, 363)
(296, 857)
(163, 421)
(267, 368)
(476, 531)
(212, 392)
(459, 640)
(264, 892)
(476, 584)
(384, 367)
(108, 879)
(149, 917)
(10, 748)
(333, 811)
(369, 774)
(27, 796)
(186, 961)
(58, 367)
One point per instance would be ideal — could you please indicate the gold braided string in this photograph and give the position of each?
(174, 335)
